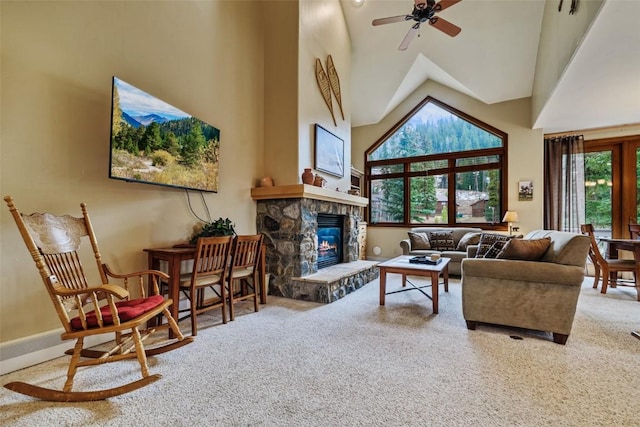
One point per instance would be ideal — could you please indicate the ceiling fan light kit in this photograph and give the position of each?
(423, 11)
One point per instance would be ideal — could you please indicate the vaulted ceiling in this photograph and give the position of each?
(494, 59)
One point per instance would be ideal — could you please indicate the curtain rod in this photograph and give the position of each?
(592, 130)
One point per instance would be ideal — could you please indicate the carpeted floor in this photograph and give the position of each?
(355, 363)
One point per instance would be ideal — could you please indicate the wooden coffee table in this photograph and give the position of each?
(401, 265)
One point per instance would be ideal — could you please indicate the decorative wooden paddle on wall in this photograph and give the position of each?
(323, 84)
(334, 81)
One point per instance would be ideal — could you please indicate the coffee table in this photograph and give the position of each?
(401, 265)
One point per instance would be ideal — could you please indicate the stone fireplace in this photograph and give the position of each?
(288, 218)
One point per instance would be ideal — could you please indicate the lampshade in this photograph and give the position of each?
(510, 216)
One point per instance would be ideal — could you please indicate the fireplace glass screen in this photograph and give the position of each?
(329, 240)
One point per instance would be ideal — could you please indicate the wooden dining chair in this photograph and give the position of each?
(211, 268)
(244, 282)
(85, 310)
(634, 231)
(604, 265)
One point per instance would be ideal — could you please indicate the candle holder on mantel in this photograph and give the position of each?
(307, 176)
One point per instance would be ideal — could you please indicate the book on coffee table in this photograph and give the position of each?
(422, 259)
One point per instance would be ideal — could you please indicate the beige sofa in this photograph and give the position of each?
(540, 295)
(456, 256)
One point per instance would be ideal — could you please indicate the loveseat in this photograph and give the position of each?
(525, 292)
(418, 244)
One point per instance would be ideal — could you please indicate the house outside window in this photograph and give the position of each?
(438, 166)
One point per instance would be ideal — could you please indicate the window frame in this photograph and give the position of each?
(451, 170)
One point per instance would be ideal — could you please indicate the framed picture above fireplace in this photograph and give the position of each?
(329, 152)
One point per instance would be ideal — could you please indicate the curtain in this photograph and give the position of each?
(564, 195)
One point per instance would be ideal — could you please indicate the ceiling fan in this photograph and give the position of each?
(423, 11)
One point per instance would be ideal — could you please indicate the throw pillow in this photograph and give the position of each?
(495, 249)
(419, 241)
(468, 239)
(487, 240)
(525, 249)
(442, 241)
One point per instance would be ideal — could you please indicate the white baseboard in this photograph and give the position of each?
(29, 351)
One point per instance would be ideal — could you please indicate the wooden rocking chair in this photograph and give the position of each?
(54, 243)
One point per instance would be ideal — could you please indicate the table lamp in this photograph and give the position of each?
(510, 217)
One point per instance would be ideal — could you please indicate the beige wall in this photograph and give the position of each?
(297, 34)
(323, 32)
(57, 62)
(525, 153)
(612, 132)
(281, 94)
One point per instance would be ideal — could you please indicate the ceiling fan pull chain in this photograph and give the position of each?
(560, 6)
(574, 6)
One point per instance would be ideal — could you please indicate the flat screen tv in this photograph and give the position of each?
(155, 143)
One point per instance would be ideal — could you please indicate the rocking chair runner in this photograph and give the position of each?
(54, 243)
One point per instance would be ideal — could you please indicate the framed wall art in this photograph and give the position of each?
(525, 190)
(329, 152)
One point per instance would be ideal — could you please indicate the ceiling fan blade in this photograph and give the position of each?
(445, 26)
(391, 19)
(411, 34)
(444, 4)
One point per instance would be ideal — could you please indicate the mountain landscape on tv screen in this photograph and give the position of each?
(138, 121)
(156, 143)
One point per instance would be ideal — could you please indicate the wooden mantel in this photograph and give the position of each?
(305, 191)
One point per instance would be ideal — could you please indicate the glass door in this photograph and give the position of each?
(612, 182)
(598, 182)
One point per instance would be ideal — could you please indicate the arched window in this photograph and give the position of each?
(438, 166)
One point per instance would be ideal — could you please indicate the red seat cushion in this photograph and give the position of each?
(127, 310)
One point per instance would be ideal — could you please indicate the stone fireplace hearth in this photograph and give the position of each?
(288, 217)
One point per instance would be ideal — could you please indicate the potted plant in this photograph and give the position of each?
(219, 227)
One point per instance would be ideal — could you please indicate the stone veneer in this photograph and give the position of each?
(290, 228)
(334, 282)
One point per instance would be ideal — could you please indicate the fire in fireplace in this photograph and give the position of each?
(330, 235)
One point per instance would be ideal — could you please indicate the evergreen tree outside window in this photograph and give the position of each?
(437, 166)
